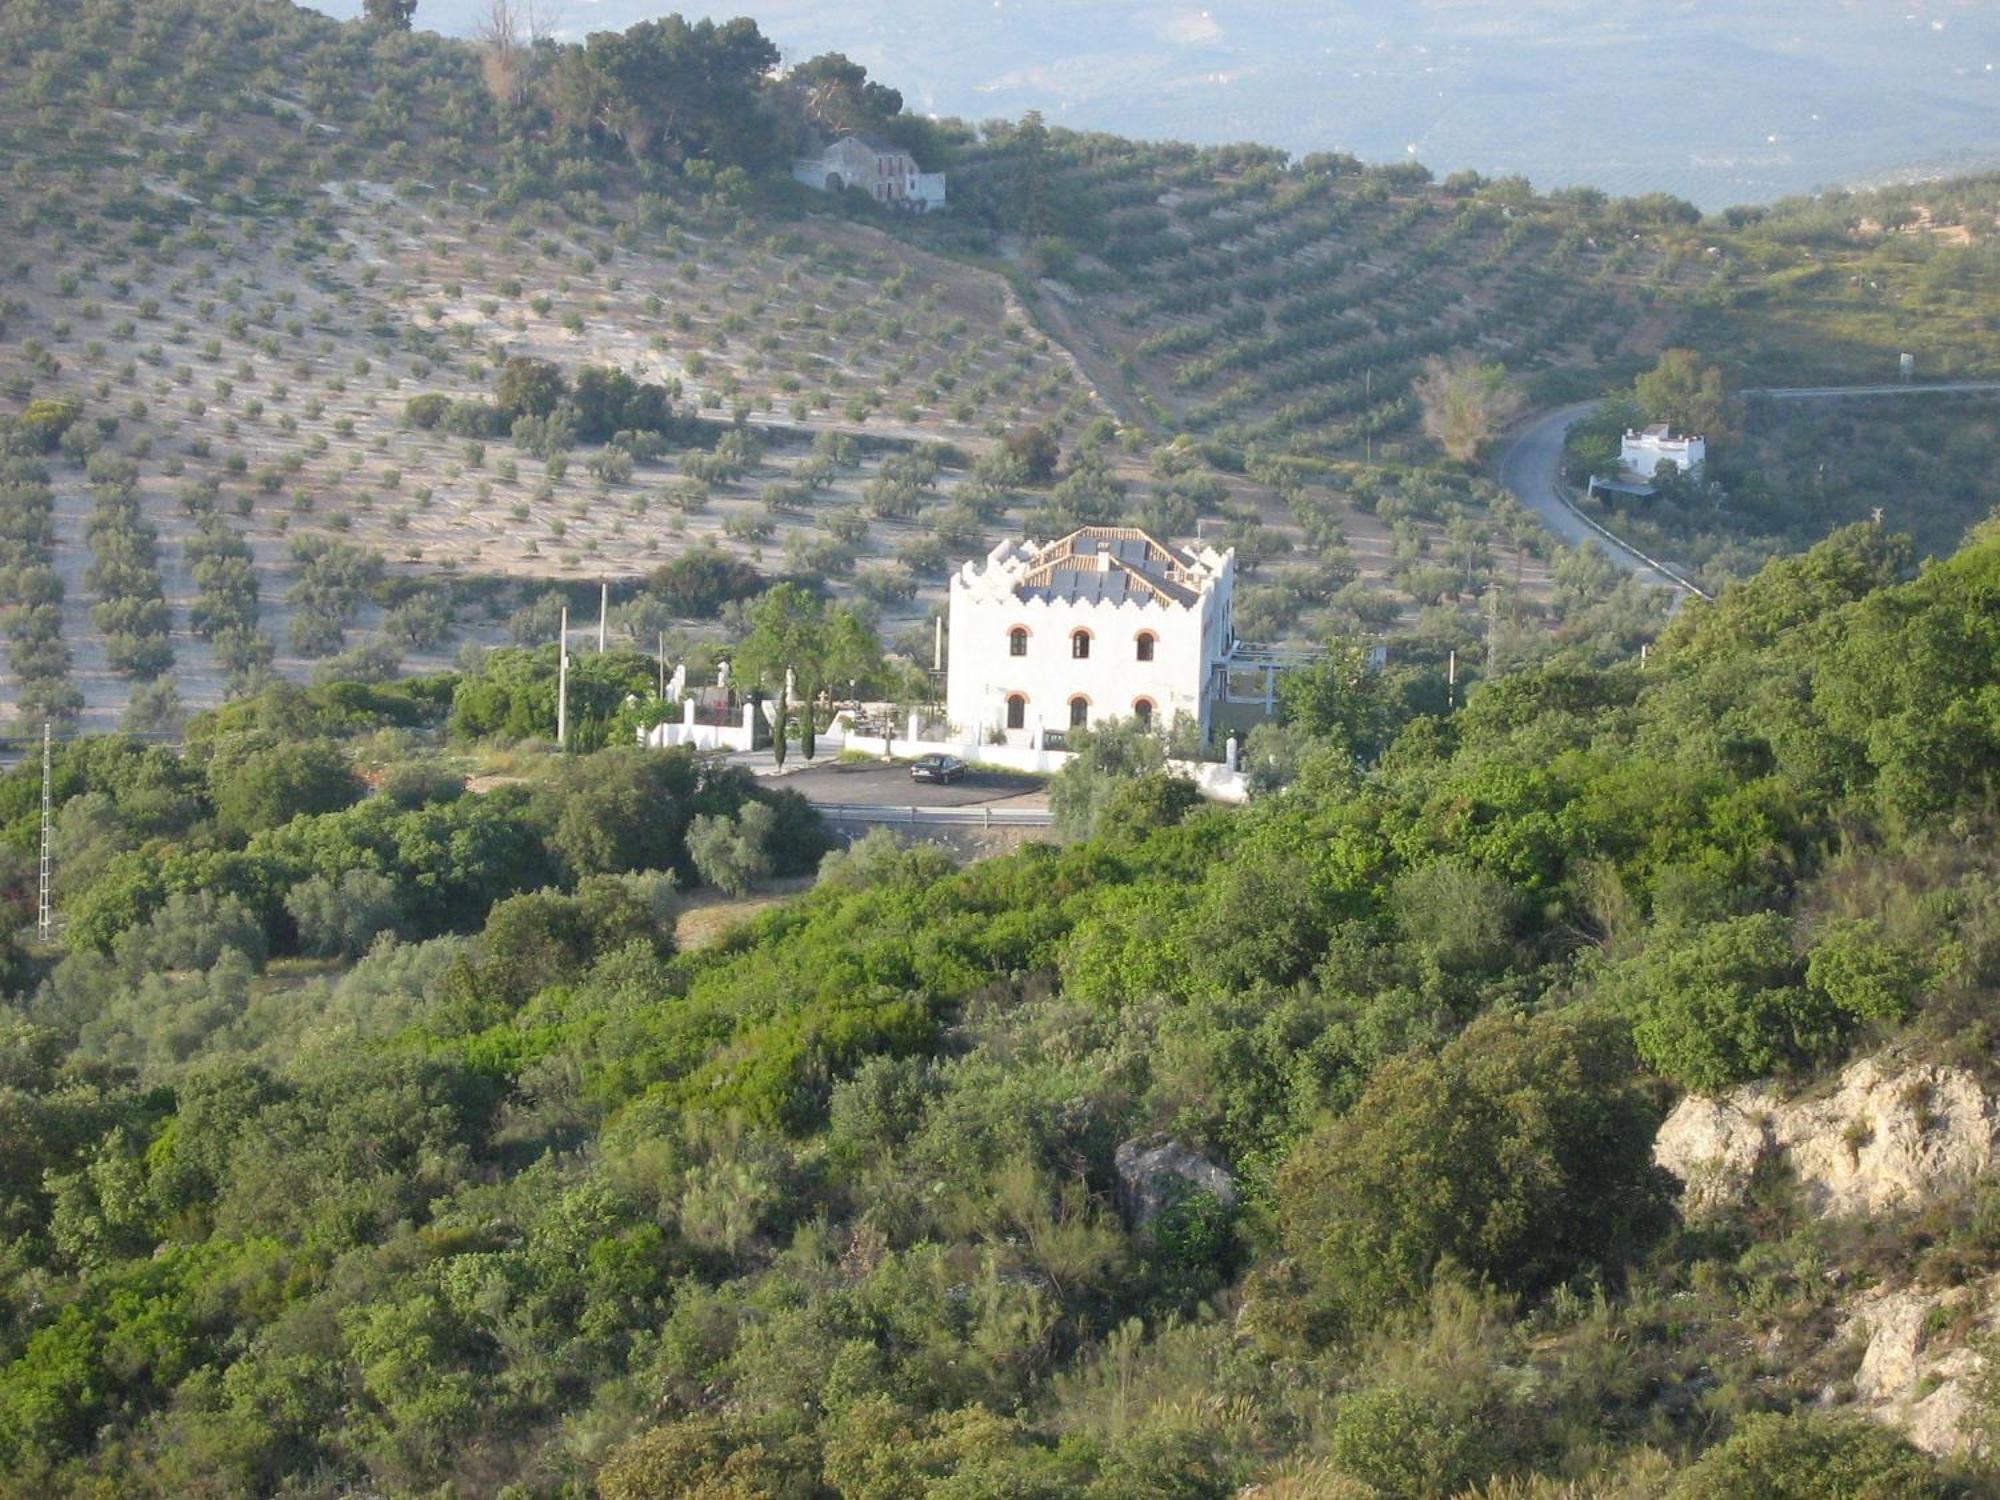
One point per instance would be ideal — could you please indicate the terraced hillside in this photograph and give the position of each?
(242, 238)
(1288, 306)
(264, 274)
(1292, 311)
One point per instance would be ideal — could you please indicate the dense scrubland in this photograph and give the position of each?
(367, 1130)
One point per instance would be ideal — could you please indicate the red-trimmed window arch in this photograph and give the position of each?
(1017, 710)
(1144, 645)
(1142, 710)
(1079, 711)
(1017, 641)
(1079, 644)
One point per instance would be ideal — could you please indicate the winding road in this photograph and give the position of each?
(1530, 468)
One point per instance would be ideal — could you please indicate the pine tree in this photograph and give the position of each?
(395, 14)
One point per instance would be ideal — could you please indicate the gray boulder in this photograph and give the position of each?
(1156, 1171)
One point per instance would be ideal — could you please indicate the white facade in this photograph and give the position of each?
(888, 174)
(1105, 623)
(1644, 452)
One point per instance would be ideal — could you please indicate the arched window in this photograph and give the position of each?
(1079, 645)
(1147, 640)
(1017, 711)
(1079, 711)
(1142, 710)
(1017, 641)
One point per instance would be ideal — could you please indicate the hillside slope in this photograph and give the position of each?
(245, 238)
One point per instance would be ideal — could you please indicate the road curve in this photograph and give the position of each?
(1530, 468)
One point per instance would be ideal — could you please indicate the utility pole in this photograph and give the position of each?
(1451, 679)
(1367, 405)
(603, 613)
(44, 916)
(663, 666)
(562, 683)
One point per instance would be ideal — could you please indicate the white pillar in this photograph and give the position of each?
(562, 684)
(750, 723)
(1229, 754)
(915, 725)
(687, 712)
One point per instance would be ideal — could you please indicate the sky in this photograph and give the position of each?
(1719, 101)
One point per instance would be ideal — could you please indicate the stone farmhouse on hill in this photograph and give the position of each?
(1105, 623)
(887, 173)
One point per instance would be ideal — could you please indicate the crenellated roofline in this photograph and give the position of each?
(1147, 571)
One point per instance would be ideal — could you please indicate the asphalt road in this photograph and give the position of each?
(1531, 464)
(1530, 468)
(1837, 392)
(890, 786)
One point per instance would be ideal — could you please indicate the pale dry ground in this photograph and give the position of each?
(277, 359)
(705, 916)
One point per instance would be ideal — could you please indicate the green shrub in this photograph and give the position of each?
(1810, 1456)
(1522, 1151)
(1862, 973)
(1722, 1003)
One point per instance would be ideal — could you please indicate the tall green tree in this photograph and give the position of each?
(834, 94)
(793, 630)
(1684, 391)
(1340, 698)
(1466, 404)
(394, 14)
(673, 91)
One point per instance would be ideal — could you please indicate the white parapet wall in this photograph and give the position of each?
(1218, 782)
(739, 734)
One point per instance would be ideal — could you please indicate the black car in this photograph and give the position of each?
(937, 768)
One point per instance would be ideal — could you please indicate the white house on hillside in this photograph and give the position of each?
(888, 174)
(1644, 452)
(1105, 623)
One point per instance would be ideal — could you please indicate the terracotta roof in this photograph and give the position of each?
(1113, 564)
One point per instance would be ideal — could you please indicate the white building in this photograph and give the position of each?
(1105, 623)
(1644, 452)
(888, 174)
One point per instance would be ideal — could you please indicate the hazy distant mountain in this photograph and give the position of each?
(1721, 101)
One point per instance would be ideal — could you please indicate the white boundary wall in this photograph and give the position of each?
(1219, 783)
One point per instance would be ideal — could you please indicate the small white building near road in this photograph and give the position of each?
(1105, 623)
(1643, 452)
(887, 173)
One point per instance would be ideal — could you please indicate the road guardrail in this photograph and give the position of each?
(958, 817)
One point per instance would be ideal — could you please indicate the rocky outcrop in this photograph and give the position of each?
(1922, 1366)
(1884, 1140)
(1887, 1139)
(1154, 1172)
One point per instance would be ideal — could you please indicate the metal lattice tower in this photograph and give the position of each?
(44, 916)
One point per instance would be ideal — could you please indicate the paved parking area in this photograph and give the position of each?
(890, 786)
